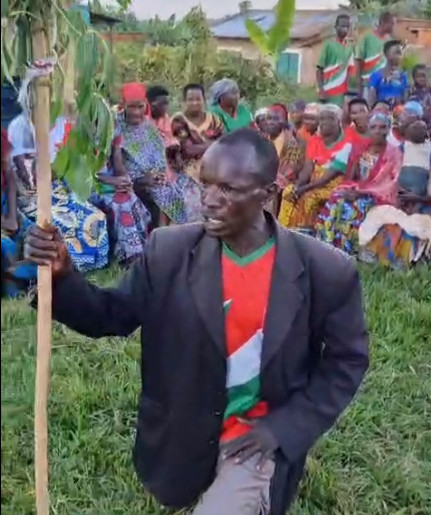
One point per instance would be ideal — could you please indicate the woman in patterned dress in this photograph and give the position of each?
(326, 161)
(142, 152)
(371, 179)
(81, 224)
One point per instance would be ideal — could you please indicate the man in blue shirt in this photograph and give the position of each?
(390, 84)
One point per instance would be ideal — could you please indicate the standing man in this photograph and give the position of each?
(253, 339)
(370, 56)
(336, 64)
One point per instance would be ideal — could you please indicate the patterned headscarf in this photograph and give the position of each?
(312, 109)
(382, 117)
(414, 108)
(220, 88)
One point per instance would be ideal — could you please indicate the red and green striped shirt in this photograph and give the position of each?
(246, 288)
(338, 64)
(370, 51)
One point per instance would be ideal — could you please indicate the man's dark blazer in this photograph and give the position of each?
(315, 352)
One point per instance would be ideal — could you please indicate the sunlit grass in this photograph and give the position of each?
(376, 461)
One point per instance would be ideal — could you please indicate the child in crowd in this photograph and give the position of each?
(296, 114)
(415, 171)
(390, 83)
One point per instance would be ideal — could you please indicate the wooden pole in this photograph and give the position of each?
(44, 280)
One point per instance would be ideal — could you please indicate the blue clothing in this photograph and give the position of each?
(19, 272)
(390, 89)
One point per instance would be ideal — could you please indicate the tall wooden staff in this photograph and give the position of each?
(41, 119)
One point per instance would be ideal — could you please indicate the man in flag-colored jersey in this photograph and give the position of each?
(253, 339)
(336, 64)
(369, 54)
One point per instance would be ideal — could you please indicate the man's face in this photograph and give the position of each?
(343, 28)
(359, 115)
(421, 78)
(159, 107)
(389, 26)
(395, 55)
(232, 196)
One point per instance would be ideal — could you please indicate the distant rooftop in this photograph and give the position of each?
(306, 25)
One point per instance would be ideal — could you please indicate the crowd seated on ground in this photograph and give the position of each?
(357, 178)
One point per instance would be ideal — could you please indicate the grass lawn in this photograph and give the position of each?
(376, 461)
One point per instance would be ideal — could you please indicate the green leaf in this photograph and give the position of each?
(61, 163)
(4, 7)
(279, 33)
(258, 36)
(78, 178)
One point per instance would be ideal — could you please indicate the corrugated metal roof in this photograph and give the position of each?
(307, 24)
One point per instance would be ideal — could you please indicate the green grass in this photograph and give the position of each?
(376, 461)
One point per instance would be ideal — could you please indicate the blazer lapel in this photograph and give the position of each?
(286, 295)
(207, 288)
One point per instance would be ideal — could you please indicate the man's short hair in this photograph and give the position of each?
(265, 154)
(341, 17)
(390, 44)
(418, 68)
(358, 101)
(385, 17)
(154, 92)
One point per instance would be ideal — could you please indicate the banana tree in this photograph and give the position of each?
(273, 41)
(49, 33)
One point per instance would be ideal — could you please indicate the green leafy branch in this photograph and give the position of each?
(272, 42)
(67, 36)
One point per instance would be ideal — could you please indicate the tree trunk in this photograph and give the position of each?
(44, 280)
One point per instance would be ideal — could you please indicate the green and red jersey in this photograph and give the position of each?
(337, 62)
(370, 51)
(246, 288)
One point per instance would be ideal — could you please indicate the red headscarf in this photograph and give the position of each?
(133, 91)
(282, 109)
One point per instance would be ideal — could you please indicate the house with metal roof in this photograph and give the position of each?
(298, 62)
(310, 28)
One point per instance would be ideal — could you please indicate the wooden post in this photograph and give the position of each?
(44, 280)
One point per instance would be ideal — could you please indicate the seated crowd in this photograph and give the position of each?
(357, 179)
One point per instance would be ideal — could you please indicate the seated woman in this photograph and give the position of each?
(371, 179)
(195, 128)
(82, 225)
(143, 156)
(226, 105)
(127, 216)
(17, 274)
(290, 152)
(398, 236)
(326, 161)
